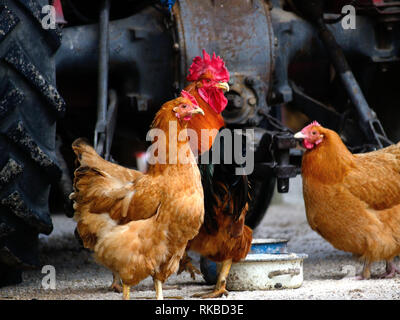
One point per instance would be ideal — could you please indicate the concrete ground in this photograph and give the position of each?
(326, 271)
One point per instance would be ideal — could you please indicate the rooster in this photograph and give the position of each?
(138, 225)
(353, 200)
(223, 237)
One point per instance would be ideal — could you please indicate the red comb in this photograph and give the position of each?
(187, 95)
(312, 124)
(215, 65)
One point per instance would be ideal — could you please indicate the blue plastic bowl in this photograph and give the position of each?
(269, 246)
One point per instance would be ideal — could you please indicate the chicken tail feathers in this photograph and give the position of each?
(224, 193)
(85, 153)
(90, 184)
(87, 173)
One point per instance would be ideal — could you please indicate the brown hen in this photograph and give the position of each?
(138, 225)
(353, 200)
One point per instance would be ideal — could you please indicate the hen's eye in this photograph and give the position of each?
(314, 133)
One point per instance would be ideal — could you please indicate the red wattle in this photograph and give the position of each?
(307, 144)
(214, 97)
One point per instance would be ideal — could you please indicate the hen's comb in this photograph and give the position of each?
(312, 124)
(215, 65)
(187, 95)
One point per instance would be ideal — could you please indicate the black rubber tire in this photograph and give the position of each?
(29, 108)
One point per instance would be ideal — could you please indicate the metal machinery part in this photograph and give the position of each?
(368, 120)
(259, 41)
(104, 50)
(241, 33)
(297, 38)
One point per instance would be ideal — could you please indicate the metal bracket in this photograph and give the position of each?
(280, 146)
(106, 115)
(105, 129)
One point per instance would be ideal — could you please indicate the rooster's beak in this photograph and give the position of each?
(198, 110)
(223, 85)
(300, 135)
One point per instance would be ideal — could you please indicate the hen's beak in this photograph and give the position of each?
(223, 85)
(300, 135)
(197, 110)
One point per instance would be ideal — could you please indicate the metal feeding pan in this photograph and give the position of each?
(258, 246)
(268, 266)
(267, 272)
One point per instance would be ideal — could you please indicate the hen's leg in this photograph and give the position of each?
(391, 270)
(186, 265)
(116, 284)
(366, 273)
(158, 287)
(125, 291)
(220, 287)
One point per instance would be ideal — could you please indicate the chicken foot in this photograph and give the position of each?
(186, 265)
(116, 284)
(391, 270)
(220, 287)
(366, 272)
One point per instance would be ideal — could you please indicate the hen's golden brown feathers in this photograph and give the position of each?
(382, 188)
(139, 224)
(125, 194)
(353, 201)
(87, 157)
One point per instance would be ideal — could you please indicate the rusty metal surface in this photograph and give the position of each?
(240, 32)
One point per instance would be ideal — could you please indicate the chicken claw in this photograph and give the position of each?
(366, 272)
(116, 288)
(186, 265)
(391, 270)
(116, 284)
(217, 293)
(220, 287)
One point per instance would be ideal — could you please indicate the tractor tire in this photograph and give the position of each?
(29, 108)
